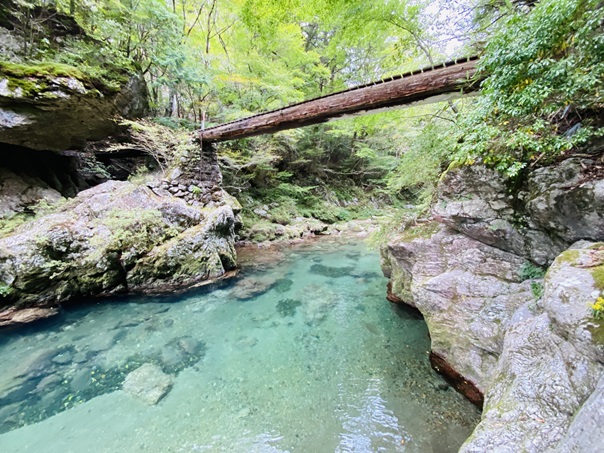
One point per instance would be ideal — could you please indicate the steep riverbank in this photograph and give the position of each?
(502, 328)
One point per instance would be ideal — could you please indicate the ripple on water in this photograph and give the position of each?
(301, 356)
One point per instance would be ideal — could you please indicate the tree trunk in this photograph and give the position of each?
(417, 86)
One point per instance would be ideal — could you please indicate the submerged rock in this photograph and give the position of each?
(148, 384)
(251, 287)
(287, 307)
(331, 271)
(82, 380)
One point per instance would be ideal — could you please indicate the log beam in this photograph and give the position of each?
(418, 86)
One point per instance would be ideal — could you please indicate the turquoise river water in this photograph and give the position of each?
(300, 353)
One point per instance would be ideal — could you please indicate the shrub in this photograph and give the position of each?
(544, 88)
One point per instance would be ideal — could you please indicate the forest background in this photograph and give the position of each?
(226, 59)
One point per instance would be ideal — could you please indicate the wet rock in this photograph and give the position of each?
(247, 342)
(80, 357)
(18, 392)
(287, 307)
(331, 271)
(190, 345)
(9, 417)
(283, 285)
(172, 356)
(63, 358)
(48, 382)
(317, 303)
(104, 340)
(81, 380)
(51, 401)
(148, 384)
(251, 287)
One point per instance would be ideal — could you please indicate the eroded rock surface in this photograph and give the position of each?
(551, 362)
(556, 207)
(77, 109)
(115, 237)
(467, 292)
(531, 346)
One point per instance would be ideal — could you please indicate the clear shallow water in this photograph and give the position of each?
(301, 353)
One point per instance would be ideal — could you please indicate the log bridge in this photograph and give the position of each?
(433, 84)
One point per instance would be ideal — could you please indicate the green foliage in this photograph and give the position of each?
(546, 75)
(528, 271)
(537, 290)
(4, 290)
(423, 162)
(597, 309)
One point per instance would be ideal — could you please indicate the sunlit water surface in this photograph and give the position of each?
(301, 353)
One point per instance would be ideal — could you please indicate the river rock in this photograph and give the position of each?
(191, 345)
(15, 315)
(48, 382)
(103, 340)
(551, 363)
(467, 292)
(148, 384)
(63, 358)
(171, 356)
(114, 236)
(250, 287)
(81, 380)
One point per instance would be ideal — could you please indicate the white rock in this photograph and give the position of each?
(148, 384)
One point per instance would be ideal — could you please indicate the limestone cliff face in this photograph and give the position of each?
(529, 345)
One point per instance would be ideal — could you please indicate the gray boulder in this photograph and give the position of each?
(148, 384)
(551, 362)
(114, 237)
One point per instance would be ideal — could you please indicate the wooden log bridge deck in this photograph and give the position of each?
(453, 78)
